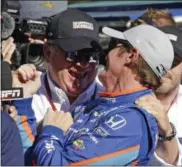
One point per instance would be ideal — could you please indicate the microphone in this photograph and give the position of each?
(8, 93)
(7, 25)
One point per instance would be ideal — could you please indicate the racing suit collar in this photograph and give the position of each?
(124, 92)
(124, 98)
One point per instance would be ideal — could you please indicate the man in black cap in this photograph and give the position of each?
(169, 149)
(71, 52)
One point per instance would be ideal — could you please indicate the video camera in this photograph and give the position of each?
(26, 52)
(32, 53)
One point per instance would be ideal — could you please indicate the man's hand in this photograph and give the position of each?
(13, 113)
(169, 82)
(37, 41)
(11, 110)
(62, 120)
(27, 77)
(152, 105)
(8, 47)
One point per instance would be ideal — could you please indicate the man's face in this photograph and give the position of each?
(171, 81)
(114, 68)
(162, 22)
(72, 77)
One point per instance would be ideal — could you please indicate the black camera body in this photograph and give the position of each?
(29, 52)
(26, 52)
(35, 27)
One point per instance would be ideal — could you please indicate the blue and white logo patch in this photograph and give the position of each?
(116, 122)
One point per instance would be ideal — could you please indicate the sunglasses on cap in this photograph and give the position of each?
(83, 56)
(114, 42)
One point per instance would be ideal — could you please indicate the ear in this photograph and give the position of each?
(133, 56)
(47, 52)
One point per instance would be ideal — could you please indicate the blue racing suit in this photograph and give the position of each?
(108, 131)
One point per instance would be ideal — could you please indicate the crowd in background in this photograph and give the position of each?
(129, 113)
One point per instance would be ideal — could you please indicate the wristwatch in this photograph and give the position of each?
(170, 137)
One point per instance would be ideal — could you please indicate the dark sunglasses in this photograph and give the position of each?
(83, 56)
(114, 42)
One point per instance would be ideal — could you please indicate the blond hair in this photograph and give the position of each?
(137, 22)
(154, 14)
(158, 14)
(144, 73)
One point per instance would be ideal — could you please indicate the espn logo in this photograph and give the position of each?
(12, 94)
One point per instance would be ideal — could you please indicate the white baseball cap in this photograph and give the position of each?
(153, 44)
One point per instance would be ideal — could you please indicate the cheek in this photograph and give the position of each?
(115, 66)
(92, 71)
(162, 22)
(58, 62)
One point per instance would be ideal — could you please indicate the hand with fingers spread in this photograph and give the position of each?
(152, 105)
(62, 120)
(8, 47)
(27, 77)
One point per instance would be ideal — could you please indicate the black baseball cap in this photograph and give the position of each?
(73, 30)
(175, 35)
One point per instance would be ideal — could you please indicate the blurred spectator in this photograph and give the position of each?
(12, 138)
(8, 47)
(156, 17)
(169, 93)
(11, 144)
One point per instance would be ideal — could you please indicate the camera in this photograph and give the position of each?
(30, 52)
(26, 52)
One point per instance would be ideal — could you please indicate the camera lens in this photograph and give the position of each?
(35, 54)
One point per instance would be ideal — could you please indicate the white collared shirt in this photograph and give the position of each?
(40, 103)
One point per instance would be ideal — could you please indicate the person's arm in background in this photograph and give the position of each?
(8, 47)
(11, 144)
(26, 77)
(167, 152)
(26, 122)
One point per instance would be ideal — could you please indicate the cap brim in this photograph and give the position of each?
(113, 33)
(74, 44)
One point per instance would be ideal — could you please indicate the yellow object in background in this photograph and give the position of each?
(48, 4)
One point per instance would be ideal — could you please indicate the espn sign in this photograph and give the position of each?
(11, 94)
